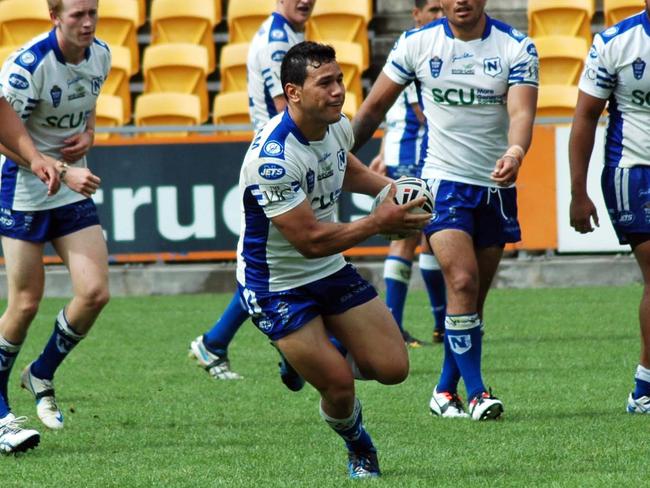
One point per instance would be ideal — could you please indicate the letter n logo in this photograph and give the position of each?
(492, 67)
(460, 344)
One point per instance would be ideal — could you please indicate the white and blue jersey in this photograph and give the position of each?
(464, 87)
(272, 41)
(616, 70)
(281, 170)
(54, 100)
(404, 138)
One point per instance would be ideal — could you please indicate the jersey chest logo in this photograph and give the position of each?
(492, 67)
(638, 68)
(55, 94)
(435, 65)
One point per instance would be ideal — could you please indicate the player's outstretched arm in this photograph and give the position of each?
(522, 104)
(581, 143)
(16, 144)
(361, 179)
(314, 239)
(383, 94)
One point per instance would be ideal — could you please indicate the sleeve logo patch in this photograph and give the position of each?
(19, 82)
(271, 171)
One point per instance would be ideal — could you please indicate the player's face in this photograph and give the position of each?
(323, 93)
(464, 14)
(77, 21)
(297, 11)
(430, 12)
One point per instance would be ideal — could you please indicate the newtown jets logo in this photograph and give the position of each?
(64, 345)
(460, 344)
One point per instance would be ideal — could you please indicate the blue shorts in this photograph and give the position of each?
(627, 196)
(487, 214)
(46, 225)
(410, 170)
(278, 314)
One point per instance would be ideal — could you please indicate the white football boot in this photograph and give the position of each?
(13, 438)
(447, 405)
(218, 367)
(485, 407)
(638, 405)
(43, 391)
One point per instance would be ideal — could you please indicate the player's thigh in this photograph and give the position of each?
(311, 353)
(24, 267)
(455, 252)
(85, 255)
(369, 332)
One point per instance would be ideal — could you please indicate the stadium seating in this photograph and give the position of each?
(340, 20)
(232, 64)
(617, 10)
(350, 58)
(108, 113)
(142, 12)
(245, 18)
(179, 68)
(21, 20)
(231, 108)
(117, 82)
(174, 21)
(556, 100)
(118, 26)
(560, 17)
(5, 52)
(177, 109)
(561, 59)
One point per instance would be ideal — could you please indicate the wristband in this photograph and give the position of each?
(516, 151)
(63, 169)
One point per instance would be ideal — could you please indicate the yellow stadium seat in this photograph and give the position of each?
(108, 113)
(340, 20)
(174, 21)
(617, 10)
(117, 82)
(142, 12)
(5, 52)
(117, 26)
(561, 59)
(231, 108)
(246, 17)
(152, 109)
(232, 65)
(557, 100)
(179, 68)
(560, 17)
(351, 105)
(349, 56)
(22, 20)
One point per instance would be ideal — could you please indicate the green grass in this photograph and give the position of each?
(138, 413)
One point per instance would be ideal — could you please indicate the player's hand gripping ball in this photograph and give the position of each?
(408, 189)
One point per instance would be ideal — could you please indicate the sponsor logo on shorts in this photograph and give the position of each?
(626, 217)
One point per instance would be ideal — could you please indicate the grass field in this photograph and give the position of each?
(138, 413)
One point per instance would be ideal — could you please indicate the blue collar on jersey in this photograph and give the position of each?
(645, 21)
(290, 125)
(486, 32)
(57, 50)
(280, 19)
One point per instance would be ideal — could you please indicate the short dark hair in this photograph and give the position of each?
(420, 3)
(295, 62)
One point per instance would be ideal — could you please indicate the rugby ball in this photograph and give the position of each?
(408, 189)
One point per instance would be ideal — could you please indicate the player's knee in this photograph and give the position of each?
(339, 394)
(26, 308)
(396, 373)
(463, 283)
(95, 298)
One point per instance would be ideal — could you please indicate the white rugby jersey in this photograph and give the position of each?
(281, 169)
(403, 135)
(54, 99)
(464, 88)
(615, 69)
(272, 41)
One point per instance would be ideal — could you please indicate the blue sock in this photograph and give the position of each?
(397, 274)
(8, 354)
(464, 335)
(435, 284)
(219, 337)
(351, 429)
(450, 374)
(642, 382)
(61, 342)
